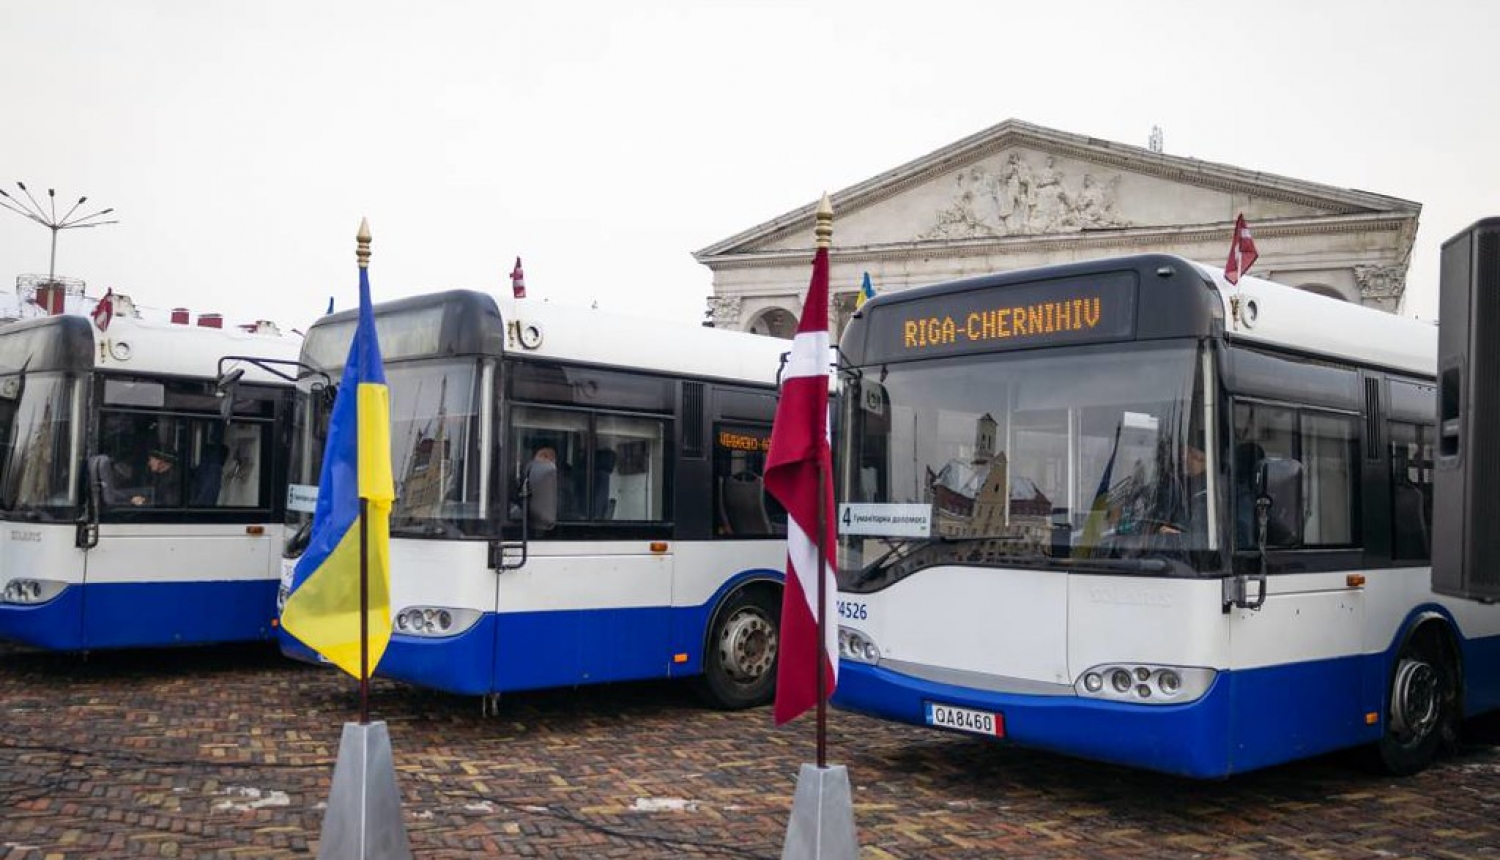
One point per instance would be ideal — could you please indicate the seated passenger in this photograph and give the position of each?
(208, 476)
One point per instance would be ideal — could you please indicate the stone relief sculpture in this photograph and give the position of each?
(1026, 200)
(1380, 286)
(724, 310)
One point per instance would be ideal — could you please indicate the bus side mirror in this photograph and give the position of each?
(1278, 502)
(226, 386)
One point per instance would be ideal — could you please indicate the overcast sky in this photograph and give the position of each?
(241, 142)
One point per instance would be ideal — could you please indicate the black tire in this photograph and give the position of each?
(1421, 704)
(739, 659)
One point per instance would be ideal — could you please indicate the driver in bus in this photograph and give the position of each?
(1185, 509)
(160, 489)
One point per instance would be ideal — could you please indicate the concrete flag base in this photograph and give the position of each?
(822, 824)
(363, 821)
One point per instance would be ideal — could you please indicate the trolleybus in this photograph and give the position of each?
(136, 509)
(1125, 511)
(644, 548)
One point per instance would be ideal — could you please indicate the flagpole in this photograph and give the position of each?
(822, 623)
(364, 611)
(824, 233)
(362, 253)
(822, 822)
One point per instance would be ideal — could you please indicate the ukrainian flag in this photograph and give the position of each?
(323, 609)
(866, 292)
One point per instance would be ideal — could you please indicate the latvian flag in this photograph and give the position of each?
(1242, 252)
(800, 467)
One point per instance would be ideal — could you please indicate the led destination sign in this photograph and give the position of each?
(1052, 313)
(743, 441)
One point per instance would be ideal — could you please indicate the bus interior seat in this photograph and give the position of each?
(743, 497)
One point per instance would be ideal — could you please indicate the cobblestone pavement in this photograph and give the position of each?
(229, 752)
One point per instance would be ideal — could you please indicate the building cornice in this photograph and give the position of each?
(1101, 240)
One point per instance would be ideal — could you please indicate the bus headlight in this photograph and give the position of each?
(856, 646)
(1145, 684)
(27, 592)
(434, 621)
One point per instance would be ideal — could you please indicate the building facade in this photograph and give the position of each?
(1018, 195)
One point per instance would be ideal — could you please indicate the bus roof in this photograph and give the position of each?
(468, 322)
(1145, 296)
(1278, 315)
(132, 345)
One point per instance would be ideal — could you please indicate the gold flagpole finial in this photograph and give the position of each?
(824, 230)
(363, 240)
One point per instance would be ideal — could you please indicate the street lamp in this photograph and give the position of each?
(30, 208)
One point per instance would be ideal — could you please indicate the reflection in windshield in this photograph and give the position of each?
(40, 458)
(436, 450)
(1068, 457)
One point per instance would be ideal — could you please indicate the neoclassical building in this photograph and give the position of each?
(1019, 195)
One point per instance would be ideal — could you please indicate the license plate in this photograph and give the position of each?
(966, 720)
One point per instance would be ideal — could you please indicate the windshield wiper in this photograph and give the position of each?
(1122, 565)
(899, 551)
(909, 551)
(27, 513)
(905, 551)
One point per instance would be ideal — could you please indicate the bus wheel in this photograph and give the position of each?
(1423, 704)
(739, 668)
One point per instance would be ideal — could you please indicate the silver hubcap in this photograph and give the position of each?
(748, 647)
(1414, 699)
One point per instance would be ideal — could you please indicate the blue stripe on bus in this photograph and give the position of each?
(565, 648)
(1297, 711)
(537, 650)
(1480, 656)
(145, 615)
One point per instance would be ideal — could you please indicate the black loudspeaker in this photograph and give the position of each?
(1466, 485)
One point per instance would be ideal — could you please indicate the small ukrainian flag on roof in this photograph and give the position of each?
(866, 292)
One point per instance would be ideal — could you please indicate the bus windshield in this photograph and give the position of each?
(437, 457)
(40, 433)
(1086, 458)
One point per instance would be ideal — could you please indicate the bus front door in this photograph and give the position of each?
(584, 613)
(157, 584)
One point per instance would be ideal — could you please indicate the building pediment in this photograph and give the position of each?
(1018, 195)
(1017, 181)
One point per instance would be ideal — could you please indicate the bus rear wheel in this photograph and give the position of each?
(1423, 704)
(739, 666)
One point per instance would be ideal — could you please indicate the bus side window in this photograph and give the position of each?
(742, 507)
(1411, 492)
(1260, 431)
(629, 468)
(1327, 447)
(610, 468)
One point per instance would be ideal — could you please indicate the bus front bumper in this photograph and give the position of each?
(1204, 739)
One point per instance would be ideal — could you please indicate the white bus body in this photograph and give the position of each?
(186, 556)
(1048, 602)
(665, 559)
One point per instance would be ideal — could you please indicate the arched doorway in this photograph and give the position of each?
(1323, 290)
(776, 322)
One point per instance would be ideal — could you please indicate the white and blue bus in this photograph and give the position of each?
(138, 509)
(1125, 511)
(647, 548)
